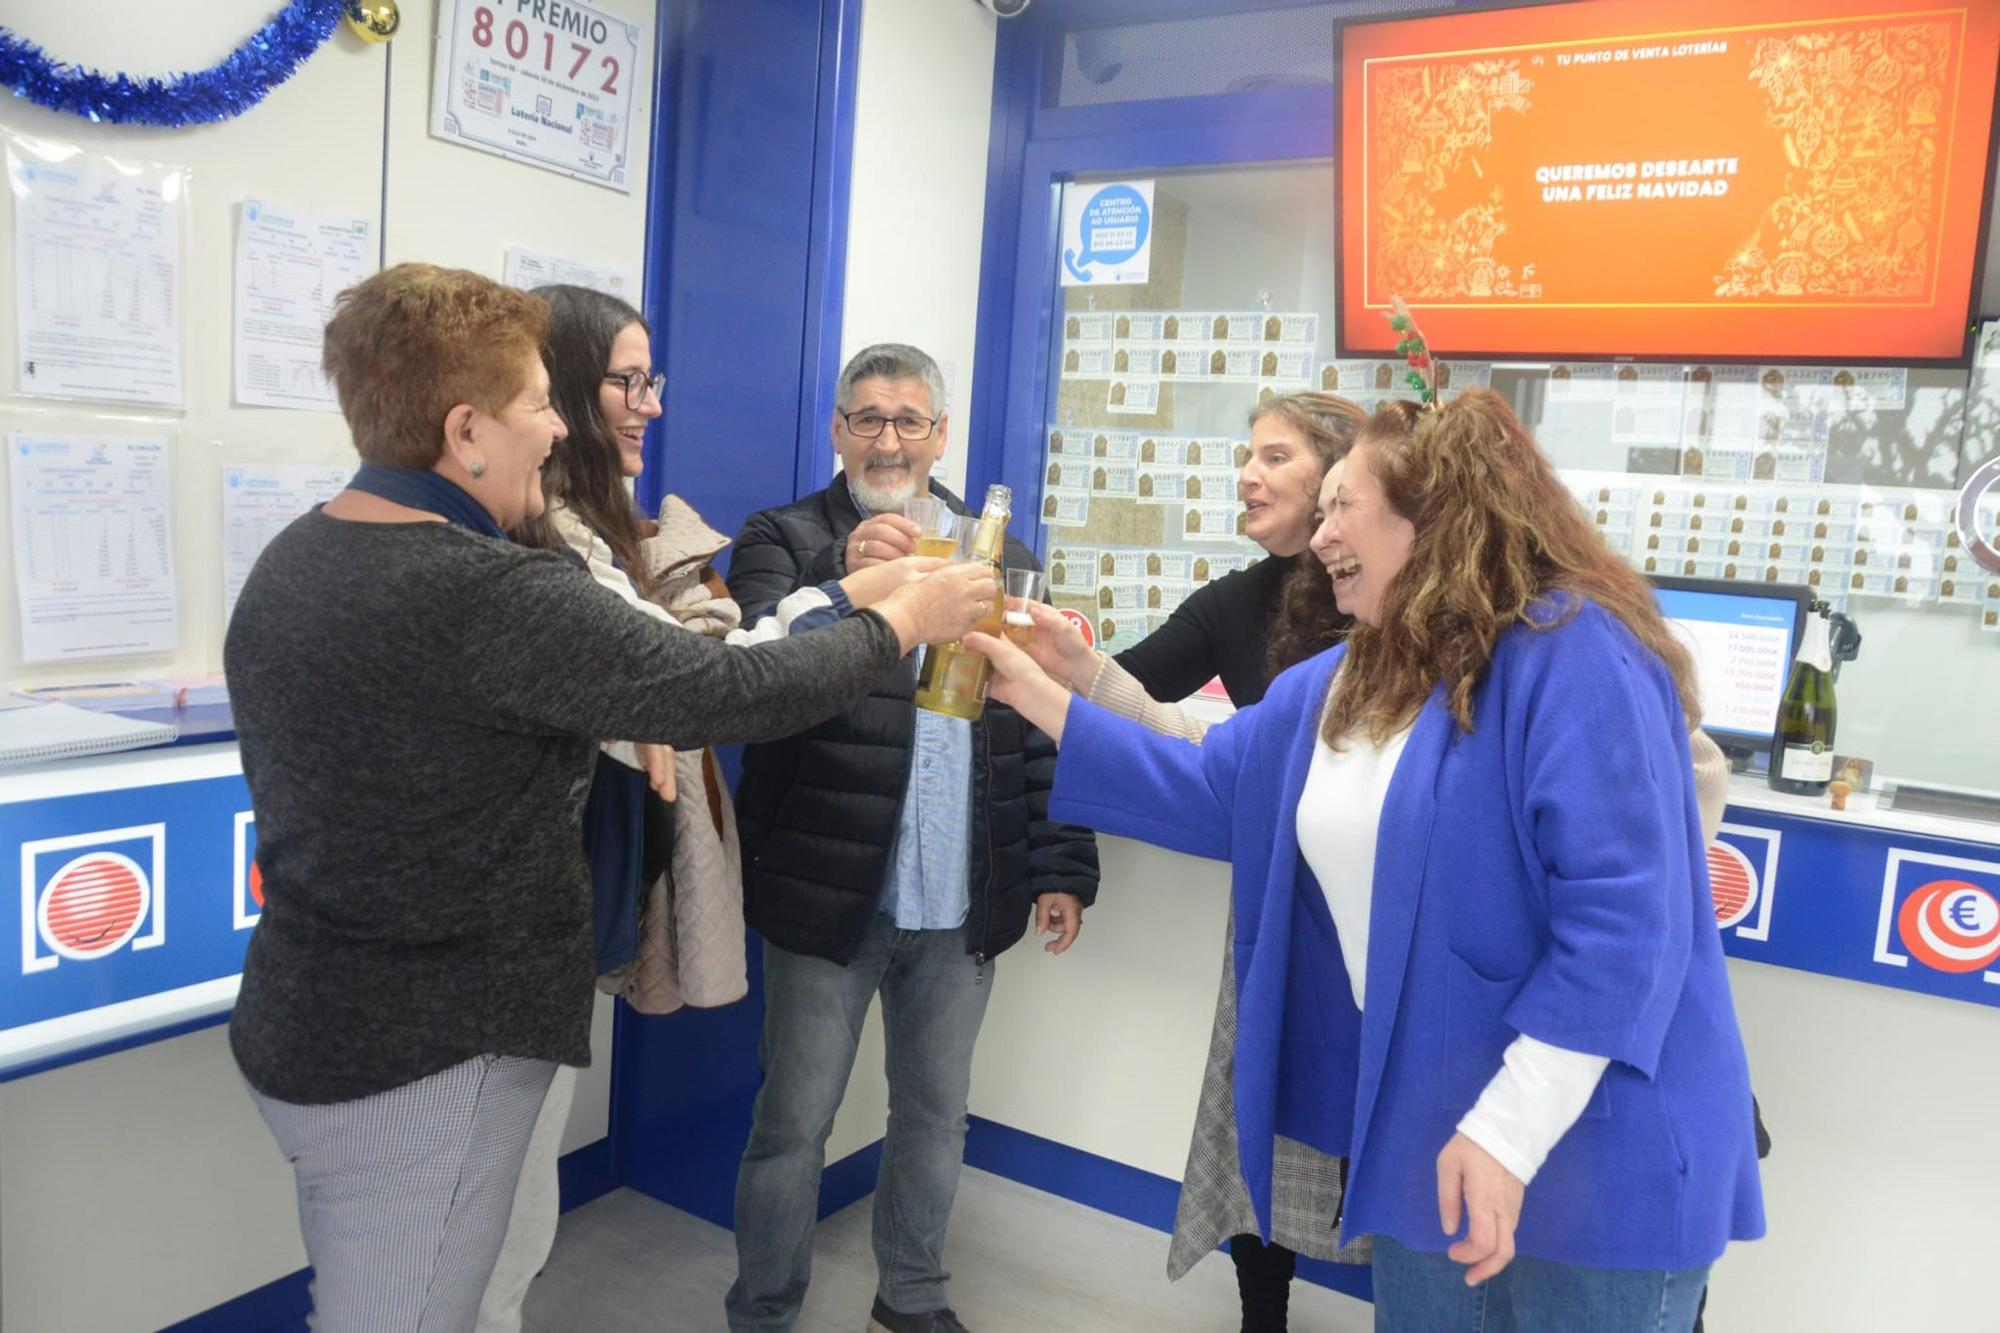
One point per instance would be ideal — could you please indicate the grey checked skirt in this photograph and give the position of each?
(1215, 1203)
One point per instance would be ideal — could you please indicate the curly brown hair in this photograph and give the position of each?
(1496, 534)
(1307, 621)
(412, 342)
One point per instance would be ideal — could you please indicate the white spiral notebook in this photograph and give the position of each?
(41, 732)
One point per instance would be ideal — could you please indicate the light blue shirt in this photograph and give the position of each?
(931, 863)
(930, 866)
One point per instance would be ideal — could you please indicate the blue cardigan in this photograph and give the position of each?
(1542, 874)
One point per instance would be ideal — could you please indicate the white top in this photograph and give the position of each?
(1540, 1089)
(1339, 813)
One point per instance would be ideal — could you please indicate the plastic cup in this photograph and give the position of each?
(1021, 588)
(939, 531)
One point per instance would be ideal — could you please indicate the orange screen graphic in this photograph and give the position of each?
(1789, 179)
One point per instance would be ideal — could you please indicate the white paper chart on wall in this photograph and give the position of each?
(289, 268)
(259, 502)
(98, 269)
(93, 546)
(529, 269)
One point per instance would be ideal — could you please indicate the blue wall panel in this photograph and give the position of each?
(747, 231)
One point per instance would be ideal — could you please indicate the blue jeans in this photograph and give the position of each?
(1426, 1293)
(933, 1000)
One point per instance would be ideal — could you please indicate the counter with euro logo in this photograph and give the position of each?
(133, 887)
(1886, 897)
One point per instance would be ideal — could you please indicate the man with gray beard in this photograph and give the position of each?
(891, 851)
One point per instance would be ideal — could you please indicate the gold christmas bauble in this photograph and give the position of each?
(374, 20)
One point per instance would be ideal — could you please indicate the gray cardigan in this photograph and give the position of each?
(419, 708)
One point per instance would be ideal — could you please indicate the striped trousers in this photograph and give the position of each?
(404, 1195)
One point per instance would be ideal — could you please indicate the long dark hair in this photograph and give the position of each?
(1307, 621)
(583, 472)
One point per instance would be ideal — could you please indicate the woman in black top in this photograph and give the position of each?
(419, 703)
(1245, 627)
(1251, 624)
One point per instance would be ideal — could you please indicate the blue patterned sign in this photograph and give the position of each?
(1868, 904)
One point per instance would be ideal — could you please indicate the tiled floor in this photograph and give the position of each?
(1022, 1262)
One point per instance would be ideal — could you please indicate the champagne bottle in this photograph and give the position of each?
(953, 678)
(1802, 752)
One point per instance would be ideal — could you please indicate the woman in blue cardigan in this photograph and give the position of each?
(1475, 944)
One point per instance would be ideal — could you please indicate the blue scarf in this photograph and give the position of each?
(420, 488)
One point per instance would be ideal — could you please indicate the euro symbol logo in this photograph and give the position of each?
(1951, 925)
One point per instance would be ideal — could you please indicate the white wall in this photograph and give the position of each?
(1880, 1188)
(1881, 1183)
(344, 176)
(1103, 1047)
(141, 1188)
(918, 204)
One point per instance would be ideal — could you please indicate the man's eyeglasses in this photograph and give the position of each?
(636, 383)
(870, 425)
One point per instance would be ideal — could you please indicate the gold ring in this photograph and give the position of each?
(862, 553)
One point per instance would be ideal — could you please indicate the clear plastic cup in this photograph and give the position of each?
(940, 533)
(1021, 588)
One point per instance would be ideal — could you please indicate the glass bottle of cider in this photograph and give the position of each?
(953, 678)
(1802, 752)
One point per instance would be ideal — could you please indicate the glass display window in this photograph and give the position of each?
(1841, 478)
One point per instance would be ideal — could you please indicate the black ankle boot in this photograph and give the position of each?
(1263, 1281)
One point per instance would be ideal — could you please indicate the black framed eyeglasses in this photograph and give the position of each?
(870, 425)
(636, 383)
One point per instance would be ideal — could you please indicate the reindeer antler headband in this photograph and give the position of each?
(1423, 370)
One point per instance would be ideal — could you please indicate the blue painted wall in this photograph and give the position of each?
(747, 243)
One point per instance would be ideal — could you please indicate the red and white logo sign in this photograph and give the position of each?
(88, 895)
(1944, 912)
(1733, 881)
(93, 905)
(249, 895)
(1951, 925)
(1743, 878)
(1082, 623)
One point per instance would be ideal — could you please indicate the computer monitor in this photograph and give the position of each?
(1743, 637)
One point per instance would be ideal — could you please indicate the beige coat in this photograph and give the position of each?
(691, 946)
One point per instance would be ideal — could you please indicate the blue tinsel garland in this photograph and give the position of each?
(229, 89)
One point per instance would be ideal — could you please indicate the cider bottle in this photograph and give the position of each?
(1802, 751)
(953, 677)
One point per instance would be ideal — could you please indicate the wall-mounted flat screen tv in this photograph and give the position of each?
(1669, 179)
